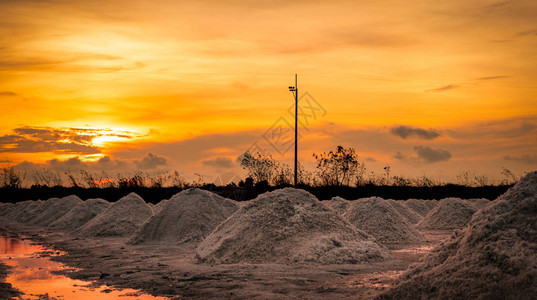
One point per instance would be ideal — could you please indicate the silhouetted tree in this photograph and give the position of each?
(338, 167)
(259, 166)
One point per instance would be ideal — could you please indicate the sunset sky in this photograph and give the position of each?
(430, 88)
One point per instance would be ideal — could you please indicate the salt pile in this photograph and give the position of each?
(431, 203)
(188, 216)
(411, 216)
(54, 209)
(22, 211)
(480, 203)
(378, 218)
(121, 219)
(288, 226)
(494, 257)
(418, 206)
(80, 214)
(6, 208)
(32, 211)
(338, 204)
(157, 208)
(449, 213)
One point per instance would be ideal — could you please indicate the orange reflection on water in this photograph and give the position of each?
(33, 274)
(374, 280)
(422, 249)
(14, 247)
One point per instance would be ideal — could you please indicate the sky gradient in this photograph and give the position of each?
(428, 88)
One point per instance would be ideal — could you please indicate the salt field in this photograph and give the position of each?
(282, 244)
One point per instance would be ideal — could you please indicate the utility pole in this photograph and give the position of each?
(294, 89)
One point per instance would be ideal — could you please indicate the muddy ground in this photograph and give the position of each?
(173, 271)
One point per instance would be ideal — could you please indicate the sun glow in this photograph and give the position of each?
(102, 141)
(92, 157)
(105, 137)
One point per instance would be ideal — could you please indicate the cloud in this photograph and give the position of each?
(57, 140)
(407, 131)
(219, 162)
(528, 32)
(72, 62)
(22, 144)
(511, 128)
(530, 159)
(444, 88)
(151, 161)
(491, 77)
(400, 156)
(8, 93)
(368, 38)
(498, 4)
(429, 155)
(75, 164)
(195, 149)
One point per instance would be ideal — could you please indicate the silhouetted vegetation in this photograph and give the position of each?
(337, 168)
(337, 173)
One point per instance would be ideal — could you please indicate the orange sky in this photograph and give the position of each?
(426, 87)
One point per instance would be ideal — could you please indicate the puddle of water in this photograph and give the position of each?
(419, 249)
(32, 274)
(374, 280)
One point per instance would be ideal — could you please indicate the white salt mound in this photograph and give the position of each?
(431, 203)
(80, 214)
(188, 216)
(418, 206)
(121, 219)
(480, 203)
(378, 218)
(159, 206)
(32, 211)
(411, 216)
(288, 226)
(449, 213)
(23, 210)
(55, 208)
(5, 208)
(493, 257)
(338, 204)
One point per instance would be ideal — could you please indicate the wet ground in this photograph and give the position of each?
(37, 276)
(172, 271)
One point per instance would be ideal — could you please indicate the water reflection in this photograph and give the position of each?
(33, 274)
(16, 246)
(374, 280)
(422, 249)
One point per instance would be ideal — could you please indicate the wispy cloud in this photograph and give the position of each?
(444, 88)
(524, 128)
(498, 4)
(220, 162)
(491, 77)
(530, 159)
(527, 32)
(8, 93)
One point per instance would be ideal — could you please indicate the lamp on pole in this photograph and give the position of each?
(294, 90)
